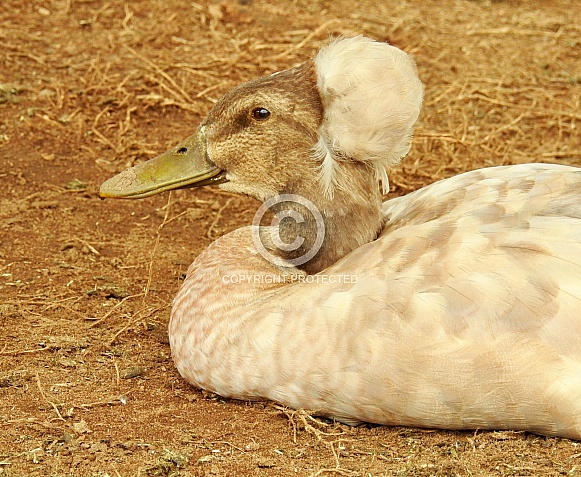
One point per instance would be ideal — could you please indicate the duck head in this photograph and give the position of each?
(326, 131)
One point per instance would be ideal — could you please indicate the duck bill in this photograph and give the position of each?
(185, 165)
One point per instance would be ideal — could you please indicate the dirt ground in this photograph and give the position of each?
(89, 87)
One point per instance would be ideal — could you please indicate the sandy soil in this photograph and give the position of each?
(89, 87)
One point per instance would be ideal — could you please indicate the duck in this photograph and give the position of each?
(457, 306)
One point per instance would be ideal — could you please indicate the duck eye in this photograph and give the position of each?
(260, 114)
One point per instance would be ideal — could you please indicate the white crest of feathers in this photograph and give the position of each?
(372, 97)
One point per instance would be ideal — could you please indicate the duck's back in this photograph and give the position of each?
(464, 313)
(498, 246)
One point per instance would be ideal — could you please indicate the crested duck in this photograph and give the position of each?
(457, 306)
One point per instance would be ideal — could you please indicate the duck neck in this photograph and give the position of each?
(323, 229)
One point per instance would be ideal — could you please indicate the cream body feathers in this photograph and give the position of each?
(464, 313)
(372, 98)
